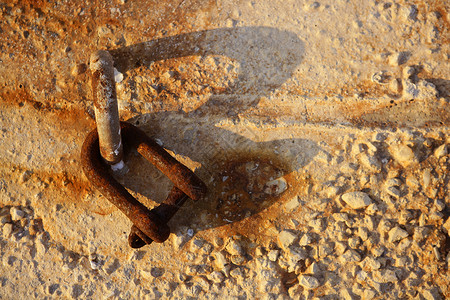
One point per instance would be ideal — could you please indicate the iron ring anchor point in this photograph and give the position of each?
(148, 225)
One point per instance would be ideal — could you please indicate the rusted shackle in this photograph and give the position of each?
(148, 225)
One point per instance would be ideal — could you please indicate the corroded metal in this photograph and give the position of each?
(165, 211)
(105, 106)
(149, 225)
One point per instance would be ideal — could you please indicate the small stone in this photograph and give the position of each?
(371, 263)
(393, 182)
(94, 261)
(275, 187)
(441, 151)
(426, 178)
(351, 256)
(332, 191)
(369, 294)
(431, 294)
(354, 242)
(371, 162)
(435, 216)
(398, 59)
(403, 245)
(218, 241)
(7, 230)
(237, 273)
(79, 69)
(16, 214)
(396, 234)
(313, 269)
(273, 255)
(216, 277)
(286, 239)
(316, 224)
(118, 77)
(260, 251)
(422, 220)
(385, 276)
(372, 209)
(408, 72)
(403, 155)
(395, 85)
(436, 253)
(238, 259)
(440, 206)
(406, 216)
(308, 282)
(5, 219)
(197, 244)
(221, 260)
(412, 182)
(363, 233)
(421, 233)
(357, 200)
(347, 294)
(292, 204)
(378, 251)
(305, 240)
(408, 13)
(393, 191)
(340, 247)
(25, 176)
(35, 227)
(446, 226)
(380, 77)
(235, 248)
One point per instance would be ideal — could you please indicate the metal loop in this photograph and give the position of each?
(149, 225)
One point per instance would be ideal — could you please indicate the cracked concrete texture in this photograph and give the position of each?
(281, 107)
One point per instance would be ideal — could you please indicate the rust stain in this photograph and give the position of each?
(247, 190)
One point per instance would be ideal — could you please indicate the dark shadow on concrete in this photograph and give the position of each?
(267, 57)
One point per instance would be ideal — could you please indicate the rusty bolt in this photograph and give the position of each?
(105, 105)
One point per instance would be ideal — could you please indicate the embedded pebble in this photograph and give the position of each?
(403, 154)
(273, 255)
(313, 269)
(305, 240)
(398, 59)
(7, 230)
(118, 77)
(216, 277)
(275, 187)
(396, 234)
(308, 282)
(16, 214)
(238, 259)
(393, 191)
(234, 248)
(5, 219)
(357, 200)
(446, 226)
(220, 260)
(385, 276)
(286, 239)
(351, 256)
(292, 204)
(441, 151)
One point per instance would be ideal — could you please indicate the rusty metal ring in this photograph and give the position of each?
(149, 225)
